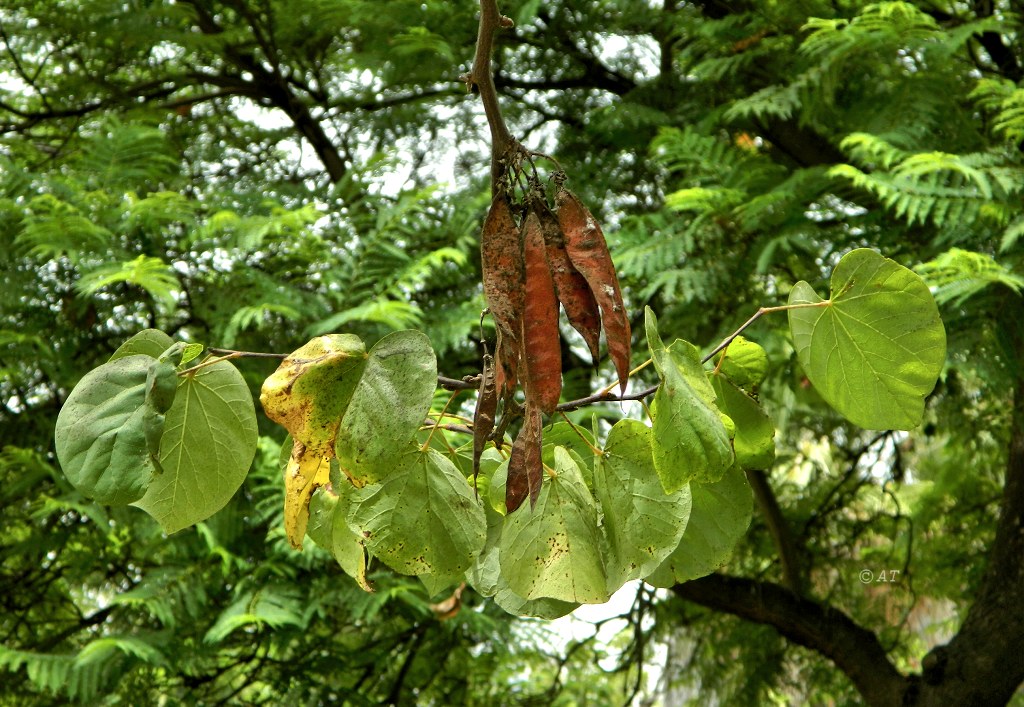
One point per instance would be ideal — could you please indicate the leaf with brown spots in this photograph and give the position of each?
(573, 292)
(542, 350)
(589, 253)
(555, 551)
(422, 519)
(525, 469)
(501, 260)
(483, 416)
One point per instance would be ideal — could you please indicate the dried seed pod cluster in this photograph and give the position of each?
(530, 266)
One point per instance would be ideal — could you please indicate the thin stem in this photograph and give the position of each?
(609, 388)
(426, 445)
(757, 315)
(595, 450)
(244, 354)
(210, 361)
(451, 428)
(534, 153)
(605, 398)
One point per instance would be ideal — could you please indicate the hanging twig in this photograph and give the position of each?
(479, 79)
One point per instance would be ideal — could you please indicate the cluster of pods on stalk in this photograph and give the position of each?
(535, 257)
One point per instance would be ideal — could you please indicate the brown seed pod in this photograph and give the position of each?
(577, 300)
(506, 365)
(589, 253)
(501, 257)
(483, 417)
(542, 350)
(525, 468)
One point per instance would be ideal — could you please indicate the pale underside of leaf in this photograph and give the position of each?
(642, 524)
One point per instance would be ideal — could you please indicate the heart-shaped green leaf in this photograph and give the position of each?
(874, 350)
(754, 441)
(542, 608)
(209, 442)
(148, 342)
(387, 407)
(745, 363)
(690, 440)
(328, 526)
(101, 432)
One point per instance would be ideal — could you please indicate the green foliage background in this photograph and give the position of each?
(250, 174)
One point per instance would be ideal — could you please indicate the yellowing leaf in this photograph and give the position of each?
(310, 390)
(308, 395)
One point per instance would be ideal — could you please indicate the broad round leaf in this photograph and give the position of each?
(542, 608)
(209, 442)
(148, 342)
(642, 524)
(328, 528)
(754, 441)
(101, 432)
(718, 519)
(422, 519)
(484, 576)
(388, 406)
(875, 349)
(553, 549)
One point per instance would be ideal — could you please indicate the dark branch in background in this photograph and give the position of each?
(992, 42)
(414, 645)
(275, 88)
(778, 528)
(854, 649)
(595, 72)
(982, 664)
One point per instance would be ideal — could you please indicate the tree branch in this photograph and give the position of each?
(273, 86)
(481, 79)
(982, 664)
(854, 649)
(778, 528)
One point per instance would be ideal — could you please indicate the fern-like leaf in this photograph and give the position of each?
(957, 275)
(151, 274)
(127, 155)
